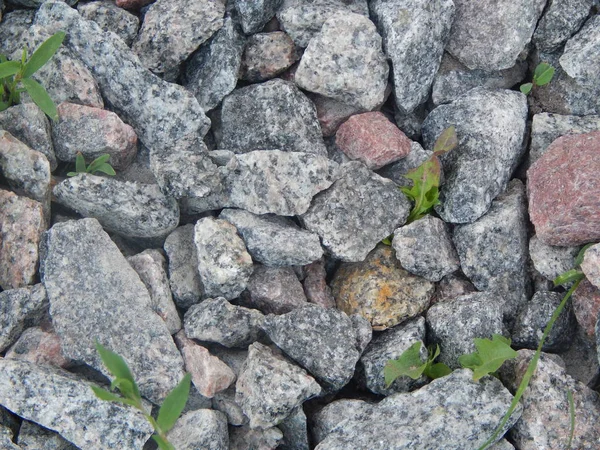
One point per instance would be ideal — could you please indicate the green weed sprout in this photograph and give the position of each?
(488, 358)
(169, 411)
(409, 364)
(541, 76)
(100, 164)
(15, 77)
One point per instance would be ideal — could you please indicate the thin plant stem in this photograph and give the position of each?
(572, 417)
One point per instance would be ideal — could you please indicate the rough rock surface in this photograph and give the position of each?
(561, 19)
(398, 169)
(32, 435)
(356, 212)
(322, 340)
(591, 265)
(269, 387)
(274, 290)
(129, 209)
(315, 285)
(20, 309)
(490, 125)
(254, 14)
(267, 55)
(414, 33)
(61, 402)
(563, 191)
(452, 286)
(551, 261)
(345, 62)
(111, 18)
(581, 59)
(38, 347)
(380, 290)
(586, 304)
(268, 116)
(242, 438)
(273, 240)
(425, 248)
(224, 264)
(111, 306)
(184, 278)
(294, 429)
(331, 113)
(203, 428)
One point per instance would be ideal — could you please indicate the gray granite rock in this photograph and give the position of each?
(37, 3)
(303, 20)
(295, 433)
(345, 62)
(454, 324)
(551, 261)
(454, 411)
(254, 14)
(224, 264)
(268, 116)
(242, 438)
(12, 27)
(39, 346)
(95, 295)
(389, 345)
(493, 250)
(561, 19)
(19, 309)
(533, 318)
(356, 212)
(414, 33)
(581, 58)
(322, 340)
(452, 286)
(216, 320)
(111, 18)
(212, 71)
(61, 402)
(274, 240)
(398, 169)
(591, 264)
(34, 436)
(424, 247)
(270, 387)
(129, 209)
(490, 125)
(274, 290)
(203, 428)
(171, 31)
(267, 55)
(490, 36)
(30, 125)
(224, 401)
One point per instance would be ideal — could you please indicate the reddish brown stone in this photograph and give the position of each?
(315, 285)
(132, 4)
(564, 191)
(372, 139)
(267, 55)
(586, 304)
(39, 347)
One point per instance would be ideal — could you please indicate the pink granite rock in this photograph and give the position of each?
(372, 139)
(209, 374)
(39, 347)
(267, 55)
(315, 285)
(586, 305)
(21, 226)
(564, 191)
(591, 265)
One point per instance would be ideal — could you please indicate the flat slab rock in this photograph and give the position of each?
(63, 403)
(96, 295)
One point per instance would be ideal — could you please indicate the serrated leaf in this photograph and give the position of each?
(40, 97)
(79, 163)
(491, 353)
(526, 88)
(438, 370)
(9, 68)
(408, 364)
(43, 53)
(543, 74)
(103, 394)
(446, 141)
(173, 405)
(163, 444)
(117, 366)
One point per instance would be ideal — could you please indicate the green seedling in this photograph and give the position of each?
(490, 355)
(541, 76)
(100, 164)
(169, 411)
(409, 364)
(15, 77)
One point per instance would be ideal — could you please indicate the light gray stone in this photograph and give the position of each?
(242, 438)
(581, 58)
(254, 14)
(200, 429)
(111, 18)
(591, 265)
(12, 27)
(274, 290)
(37, 3)
(561, 19)
(95, 295)
(490, 125)
(19, 309)
(551, 261)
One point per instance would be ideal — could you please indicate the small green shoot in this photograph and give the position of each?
(488, 358)
(100, 164)
(409, 364)
(169, 411)
(15, 77)
(541, 76)
(426, 178)
(571, 417)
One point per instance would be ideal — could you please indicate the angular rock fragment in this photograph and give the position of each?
(224, 401)
(32, 435)
(452, 286)
(269, 387)
(274, 290)
(315, 285)
(581, 59)
(95, 295)
(561, 19)
(586, 304)
(267, 55)
(61, 402)
(110, 17)
(345, 62)
(380, 290)
(216, 320)
(203, 428)
(551, 261)
(273, 240)
(254, 15)
(591, 264)
(331, 113)
(38, 347)
(242, 438)
(19, 309)
(295, 433)
(129, 209)
(270, 115)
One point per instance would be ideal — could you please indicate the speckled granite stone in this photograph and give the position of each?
(20, 309)
(561, 19)
(12, 27)
(274, 290)
(240, 438)
(551, 261)
(591, 265)
(32, 435)
(254, 14)
(267, 55)
(203, 428)
(111, 18)
(581, 58)
(38, 346)
(295, 433)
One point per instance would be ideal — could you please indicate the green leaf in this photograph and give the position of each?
(173, 405)
(100, 160)
(107, 169)
(581, 254)
(543, 74)
(408, 364)
(163, 444)
(490, 355)
(125, 387)
(437, 370)
(103, 394)
(568, 277)
(387, 240)
(9, 68)
(446, 141)
(71, 174)
(526, 88)
(79, 163)
(117, 366)
(40, 97)
(43, 54)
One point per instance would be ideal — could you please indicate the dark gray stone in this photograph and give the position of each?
(322, 340)
(111, 18)
(490, 126)
(581, 58)
(216, 320)
(129, 209)
(270, 387)
(274, 115)
(414, 33)
(212, 71)
(356, 212)
(200, 429)
(295, 433)
(551, 261)
(561, 19)
(345, 62)
(274, 290)
(33, 436)
(95, 295)
(19, 309)
(454, 324)
(398, 169)
(224, 401)
(243, 438)
(254, 14)
(274, 240)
